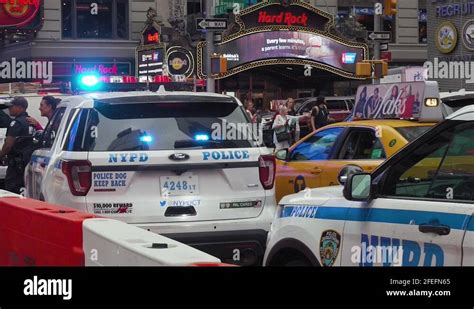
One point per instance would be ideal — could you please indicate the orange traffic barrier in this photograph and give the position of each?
(34, 233)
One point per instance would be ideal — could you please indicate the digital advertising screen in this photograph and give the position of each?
(290, 45)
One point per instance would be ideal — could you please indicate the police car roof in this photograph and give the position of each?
(465, 113)
(456, 95)
(136, 97)
(165, 95)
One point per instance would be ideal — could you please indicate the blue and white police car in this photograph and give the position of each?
(159, 160)
(416, 209)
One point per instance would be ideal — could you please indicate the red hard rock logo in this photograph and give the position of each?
(16, 13)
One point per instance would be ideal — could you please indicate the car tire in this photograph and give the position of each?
(298, 263)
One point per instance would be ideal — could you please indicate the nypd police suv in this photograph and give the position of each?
(149, 159)
(416, 209)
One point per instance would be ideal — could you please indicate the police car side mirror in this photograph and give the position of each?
(282, 154)
(346, 171)
(358, 187)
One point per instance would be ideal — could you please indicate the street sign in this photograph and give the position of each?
(211, 23)
(379, 35)
(383, 46)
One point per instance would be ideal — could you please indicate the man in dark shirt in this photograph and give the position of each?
(13, 149)
(319, 114)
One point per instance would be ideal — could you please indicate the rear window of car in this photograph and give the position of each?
(160, 126)
(411, 133)
(336, 105)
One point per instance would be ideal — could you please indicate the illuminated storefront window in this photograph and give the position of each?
(95, 19)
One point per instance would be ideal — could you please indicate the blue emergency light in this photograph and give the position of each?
(201, 137)
(89, 81)
(146, 138)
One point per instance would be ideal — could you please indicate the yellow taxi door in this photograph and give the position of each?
(305, 165)
(360, 147)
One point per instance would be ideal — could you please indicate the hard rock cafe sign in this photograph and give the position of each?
(18, 13)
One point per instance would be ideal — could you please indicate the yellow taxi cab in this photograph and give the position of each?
(395, 115)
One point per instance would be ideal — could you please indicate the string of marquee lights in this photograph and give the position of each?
(272, 61)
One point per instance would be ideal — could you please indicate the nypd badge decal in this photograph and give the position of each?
(329, 247)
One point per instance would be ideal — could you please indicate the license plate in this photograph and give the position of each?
(179, 185)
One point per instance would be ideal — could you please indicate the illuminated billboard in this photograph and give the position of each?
(297, 33)
(293, 46)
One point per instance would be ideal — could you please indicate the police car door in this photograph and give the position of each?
(468, 244)
(422, 203)
(41, 158)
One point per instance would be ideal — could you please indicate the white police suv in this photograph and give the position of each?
(416, 209)
(165, 161)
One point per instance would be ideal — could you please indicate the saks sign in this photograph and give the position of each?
(18, 13)
(389, 101)
(96, 68)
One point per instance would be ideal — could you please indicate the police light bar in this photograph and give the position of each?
(89, 82)
(94, 82)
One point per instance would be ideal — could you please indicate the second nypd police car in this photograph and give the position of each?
(416, 209)
(149, 159)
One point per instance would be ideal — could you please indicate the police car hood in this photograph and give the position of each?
(316, 196)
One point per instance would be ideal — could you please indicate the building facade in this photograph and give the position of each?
(451, 44)
(78, 35)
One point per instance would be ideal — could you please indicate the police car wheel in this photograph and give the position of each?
(298, 263)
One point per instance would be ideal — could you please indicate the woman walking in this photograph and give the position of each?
(281, 134)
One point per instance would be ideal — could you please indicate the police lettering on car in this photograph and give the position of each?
(18, 145)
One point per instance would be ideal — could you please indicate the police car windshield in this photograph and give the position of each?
(160, 126)
(411, 133)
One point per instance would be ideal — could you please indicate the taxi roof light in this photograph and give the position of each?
(431, 102)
